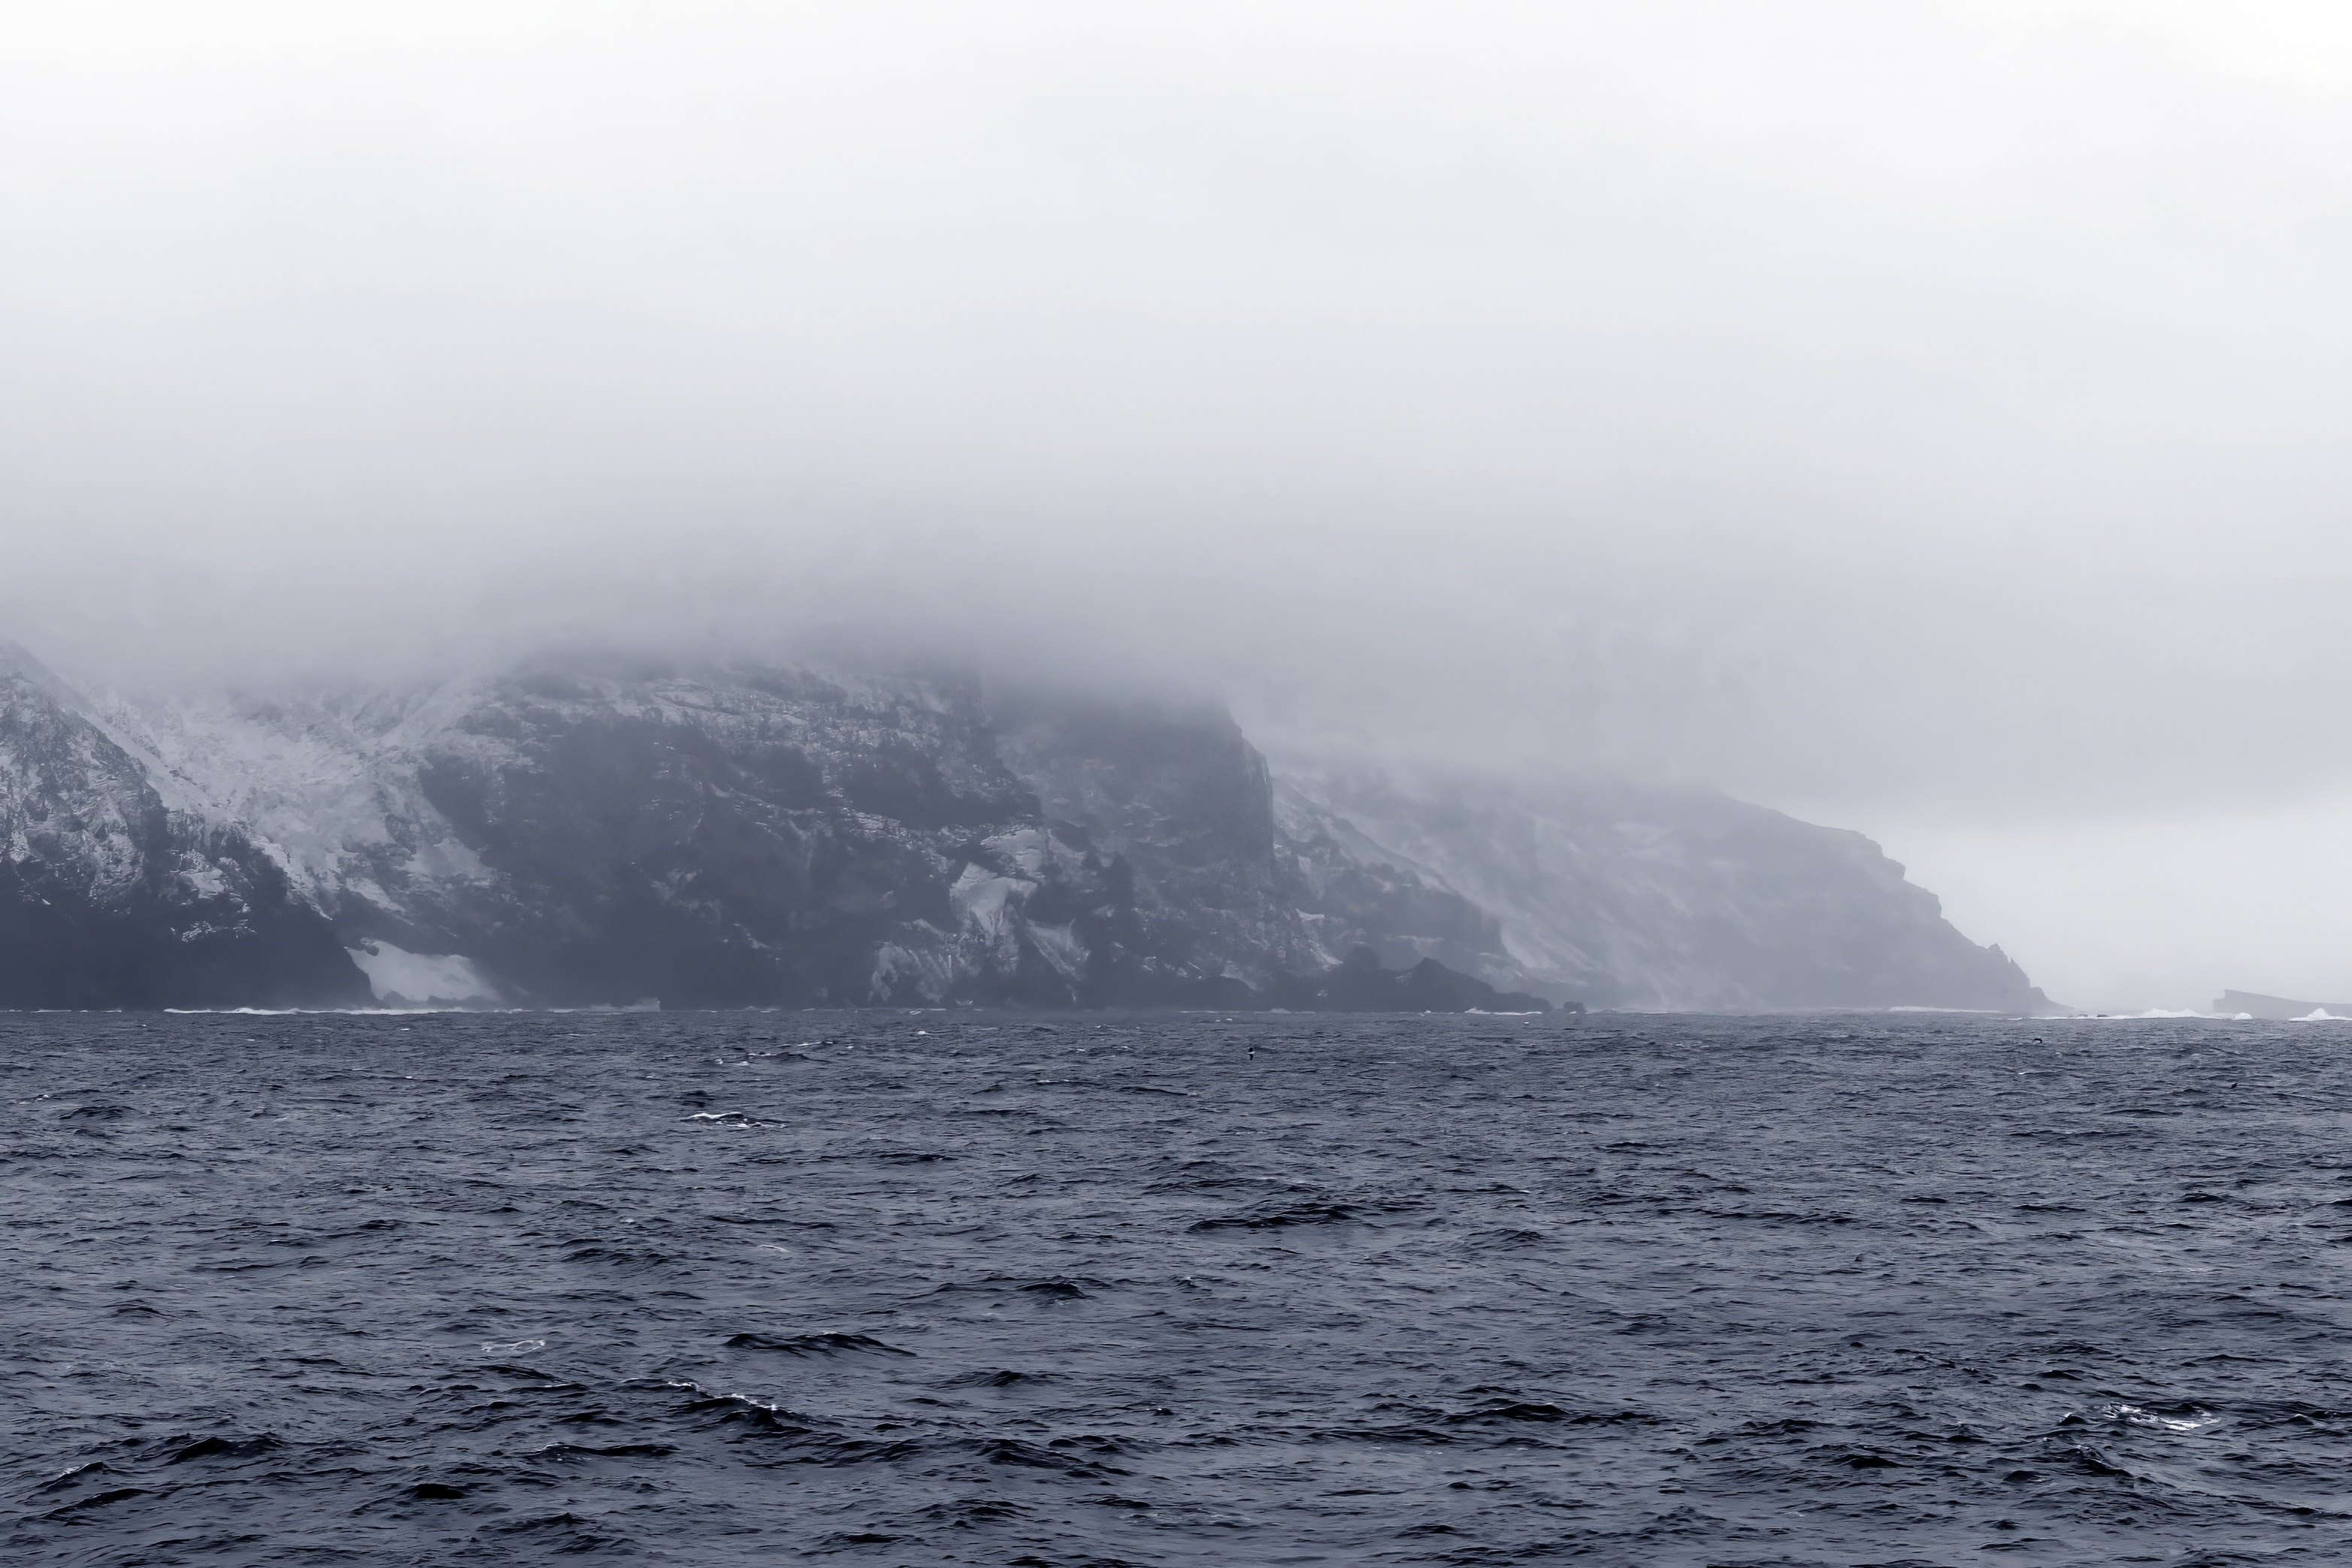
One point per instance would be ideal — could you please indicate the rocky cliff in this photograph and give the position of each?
(1648, 897)
(111, 898)
(604, 831)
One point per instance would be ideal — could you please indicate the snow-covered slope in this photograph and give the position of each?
(110, 897)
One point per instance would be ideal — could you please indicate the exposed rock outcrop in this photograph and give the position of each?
(1359, 982)
(109, 898)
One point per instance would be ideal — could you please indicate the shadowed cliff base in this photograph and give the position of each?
(1358, 984)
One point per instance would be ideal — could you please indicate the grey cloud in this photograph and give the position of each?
(1922, 414)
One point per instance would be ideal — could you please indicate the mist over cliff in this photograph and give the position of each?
(1916, 418)
(605, 829)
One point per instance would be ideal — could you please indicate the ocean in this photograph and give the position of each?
(957, 1288)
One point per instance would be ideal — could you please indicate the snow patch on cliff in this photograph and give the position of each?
(1059, 946)
(985, 903)
(444, 979)
(905, 974)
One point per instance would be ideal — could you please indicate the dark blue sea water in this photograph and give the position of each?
(773, 1288)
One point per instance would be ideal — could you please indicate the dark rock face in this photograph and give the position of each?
(1358, 984)
(1181, 806)
(109, 899)
(755, 843)
(751, 834)
(768, 837)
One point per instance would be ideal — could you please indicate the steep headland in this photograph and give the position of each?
(1651, 898)
(755, 833)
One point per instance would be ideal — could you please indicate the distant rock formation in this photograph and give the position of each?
(2256, 1004)
(1644, 897)
(590, 832)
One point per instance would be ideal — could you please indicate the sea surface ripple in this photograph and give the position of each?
(728, 1288)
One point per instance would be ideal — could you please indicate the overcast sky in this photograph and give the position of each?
(1924, 418)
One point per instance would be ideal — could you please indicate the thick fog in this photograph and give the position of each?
(1926, 418)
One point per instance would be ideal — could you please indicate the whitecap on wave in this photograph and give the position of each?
(2188, 1421)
